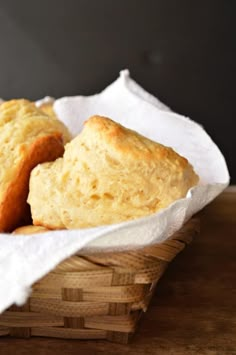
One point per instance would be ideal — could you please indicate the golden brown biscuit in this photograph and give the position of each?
(27, 137)
(108, 174)
(30, 230)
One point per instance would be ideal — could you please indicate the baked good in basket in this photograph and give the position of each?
(27, 137)
(108, 174)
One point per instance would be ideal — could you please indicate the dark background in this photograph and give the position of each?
(182, 51)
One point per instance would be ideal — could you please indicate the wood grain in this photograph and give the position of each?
(194, 308)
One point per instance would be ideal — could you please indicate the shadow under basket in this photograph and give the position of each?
(98, 296)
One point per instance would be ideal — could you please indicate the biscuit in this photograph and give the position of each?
(108, 174)
(27, 137)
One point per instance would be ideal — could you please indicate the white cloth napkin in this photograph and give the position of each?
(25, 259)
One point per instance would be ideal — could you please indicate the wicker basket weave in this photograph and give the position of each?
(99, 296)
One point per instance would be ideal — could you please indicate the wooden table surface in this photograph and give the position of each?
(194, 308)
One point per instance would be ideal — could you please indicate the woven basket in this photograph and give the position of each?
(99, 296)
